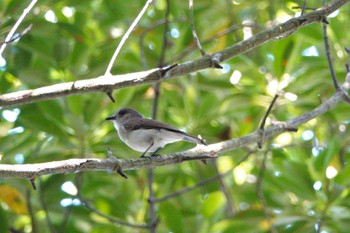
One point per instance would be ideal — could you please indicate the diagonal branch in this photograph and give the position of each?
(156, 88)
(222, 33)
(329, 55)
(111, 219)
(31, 171)
(17, 36)
(193, 29)
(19, 21)
(126, 36)
(104, 84)
(203, 182)
(121, 44)
(261, 196)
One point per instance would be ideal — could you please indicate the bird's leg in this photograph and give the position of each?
(143, 154)
(154, 153)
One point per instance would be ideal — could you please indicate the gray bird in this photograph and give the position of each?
(147, 135)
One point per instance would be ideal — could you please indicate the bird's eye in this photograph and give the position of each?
(122, 112)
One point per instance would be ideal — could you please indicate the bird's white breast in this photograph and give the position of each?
(141, 139)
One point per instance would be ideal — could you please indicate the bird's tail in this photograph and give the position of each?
(193, 139)
(196, 140)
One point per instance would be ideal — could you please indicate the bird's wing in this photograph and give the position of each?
(144, 123)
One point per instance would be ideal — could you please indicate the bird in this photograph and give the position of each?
(147, 135)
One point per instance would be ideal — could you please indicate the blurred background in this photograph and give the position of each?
(303, 185)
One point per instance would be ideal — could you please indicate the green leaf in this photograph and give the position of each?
(213, 204)
(172, 217)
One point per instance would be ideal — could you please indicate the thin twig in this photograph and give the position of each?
(156, 87)
(120, 45)
(165, 36)
(87, 205)
(126, 36)
(156, 90)
(262, 124)
(117, 167)
(31, 211)
(149, 29)
(203, 182)
(44, 207)
(32, 182)
(220, 34)
(193, 29)
(230, 205)
(66, 218)
(151, 202)
(260, 193)
(303, 8)
(150, 173)
(329, 56)
(19, 35)
(347, 50)
(19, 21)
(90, 207)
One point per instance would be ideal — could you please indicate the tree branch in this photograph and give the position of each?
(261, 196)
(110, 82)
(193, 29)
(31, 171)
(126, 36)
(14, 28)
(17, 36)
(203, 182)
(222, 33)
(121, 43)
(329, 55)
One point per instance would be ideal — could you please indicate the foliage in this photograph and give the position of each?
(305, 180)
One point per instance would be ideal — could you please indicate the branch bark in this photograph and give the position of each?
(31, 171)
(111, 82)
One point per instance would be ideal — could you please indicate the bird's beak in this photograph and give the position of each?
(110, 118)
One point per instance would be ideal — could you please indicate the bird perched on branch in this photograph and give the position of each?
(147, 135)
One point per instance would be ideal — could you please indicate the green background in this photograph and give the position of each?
(298, 192)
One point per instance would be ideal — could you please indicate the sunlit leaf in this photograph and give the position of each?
(13, 199)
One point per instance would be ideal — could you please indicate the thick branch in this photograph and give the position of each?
(105, 83)
(32, 171)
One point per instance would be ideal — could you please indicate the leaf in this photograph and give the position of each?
(14, 199)
(46, 117)
(213, 204)
(294, 177)
(4, 226)
(172, 217)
